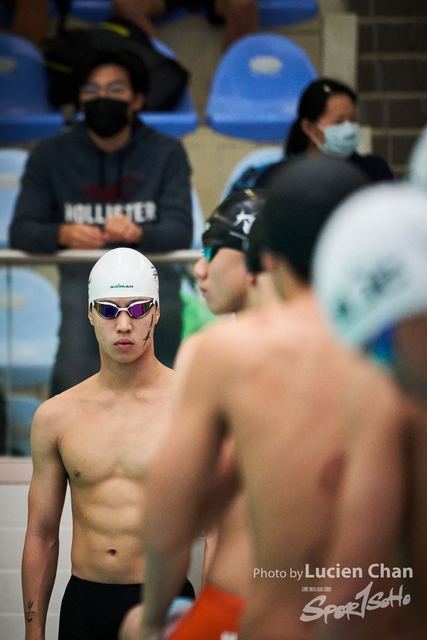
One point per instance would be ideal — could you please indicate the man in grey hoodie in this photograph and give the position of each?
(111, 181)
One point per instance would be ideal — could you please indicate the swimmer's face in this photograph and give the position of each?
(410, 356)
(223, 281)
(125, 338)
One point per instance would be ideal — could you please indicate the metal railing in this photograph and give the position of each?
(12, 257)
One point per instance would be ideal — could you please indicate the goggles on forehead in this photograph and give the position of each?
(210, 251)
(136, 310)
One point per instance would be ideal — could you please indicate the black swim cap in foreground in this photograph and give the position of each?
(301, 199)
(230, 223)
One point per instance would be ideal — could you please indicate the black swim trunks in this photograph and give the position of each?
(94, 611)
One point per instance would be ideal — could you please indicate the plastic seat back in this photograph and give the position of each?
(257, 86)
(255, 160)
(276, 12)
(198, 220)
(12, 164)
(21, 413)
(29, 325)
(25, 112)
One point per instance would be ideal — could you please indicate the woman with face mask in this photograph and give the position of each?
(327, 123)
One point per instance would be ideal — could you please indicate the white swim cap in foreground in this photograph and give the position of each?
(123, 273)
(370, 263)
(417, 170)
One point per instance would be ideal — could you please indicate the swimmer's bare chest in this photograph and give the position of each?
(106, 454)
(112, 442)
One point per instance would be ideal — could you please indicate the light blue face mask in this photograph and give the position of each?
(341, 140)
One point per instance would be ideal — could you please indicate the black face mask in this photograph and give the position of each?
(106, 116)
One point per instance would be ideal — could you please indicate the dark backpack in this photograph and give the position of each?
(66, 51)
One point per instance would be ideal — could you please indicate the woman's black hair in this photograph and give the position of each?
(312, 105)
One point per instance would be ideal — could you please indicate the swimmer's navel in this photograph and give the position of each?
(112, 552)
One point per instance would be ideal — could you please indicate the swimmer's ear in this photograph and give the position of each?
(89, 315)
(157, 314)
(252, 279)
(269, 261)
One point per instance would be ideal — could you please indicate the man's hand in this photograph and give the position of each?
(131, 626)
(119, 228)
(81, 236)
(132, 629)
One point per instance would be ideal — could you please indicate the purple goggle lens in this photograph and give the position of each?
(136, 310)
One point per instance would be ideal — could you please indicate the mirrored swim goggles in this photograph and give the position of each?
(135, 310)
(209, 252)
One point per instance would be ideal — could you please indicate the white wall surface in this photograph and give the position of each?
(13, 522)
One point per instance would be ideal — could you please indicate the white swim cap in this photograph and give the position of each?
(417, 170)
(123, 273)
(370, 264)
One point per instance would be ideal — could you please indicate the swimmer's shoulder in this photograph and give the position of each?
(230, 342)
(55, 411)
(373, 391)
(209, 350)
(253, 335)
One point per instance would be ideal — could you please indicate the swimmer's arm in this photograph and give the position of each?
(180, 487)
(211, 541)
(369, 515)
(164, 575)
(45, 504)
(226, 467)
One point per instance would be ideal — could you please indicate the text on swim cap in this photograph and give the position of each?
(121, 286)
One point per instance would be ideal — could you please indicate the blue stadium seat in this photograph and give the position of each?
(87, 10)
(21, 411)
(271, 12)
(257, 86)
(29, 324)
(255, 160)
(183, 119)
(277, 12)
(25, 113)
(12, 164)
(91, 10)
(198, 220)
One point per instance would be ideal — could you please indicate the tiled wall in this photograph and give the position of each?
(392, 74)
